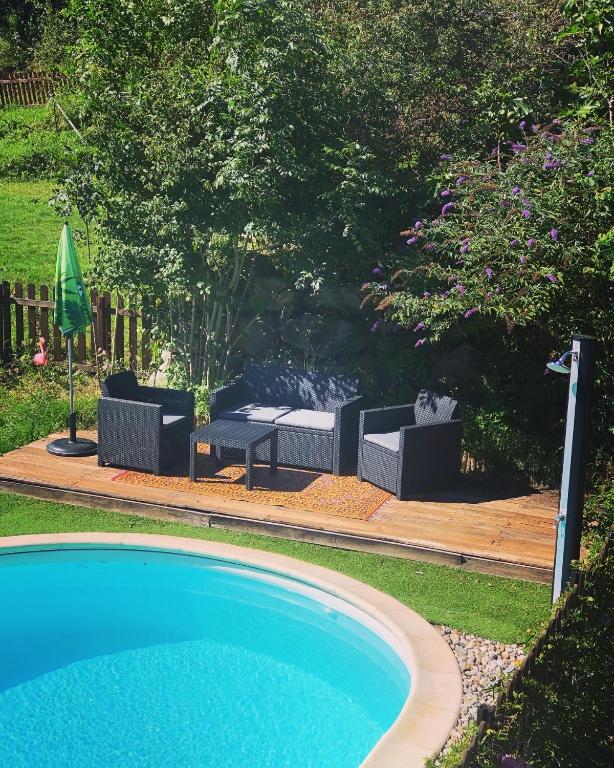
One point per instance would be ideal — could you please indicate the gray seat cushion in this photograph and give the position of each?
(388, 440)
(303, 418)
(171, 419)
(254, 412)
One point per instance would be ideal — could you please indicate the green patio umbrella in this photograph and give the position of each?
(72, 314)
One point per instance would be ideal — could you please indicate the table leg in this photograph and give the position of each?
(273, 451)
(249, 465)
(193, 447)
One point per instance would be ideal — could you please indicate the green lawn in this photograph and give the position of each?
(29, 232)
(501, 609)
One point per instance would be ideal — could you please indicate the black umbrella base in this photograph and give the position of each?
(79, 447)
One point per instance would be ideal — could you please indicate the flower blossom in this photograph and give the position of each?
(591, 173)
(461, 180)
(489, 273)
(447, 208)
(426, 295)
(446, 192)
(516, 191)
(522, 124)
(418, 225)
(554, 234)
(420, 342)
(445, 157)
(376, 271)
(513, 243)
(376, 326)
(470, 312)
(420, 327)
(460, 288)
(552, 278)
(526, 213)
(431, 247)
(522, 259)
(518, 147)
(587, 140)
(411, 240)
(464, 248)
(531, 242)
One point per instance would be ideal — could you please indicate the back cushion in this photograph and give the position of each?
(296, 388)
(122, 385)
(434, 409)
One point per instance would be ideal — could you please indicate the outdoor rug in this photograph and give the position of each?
(311, 491)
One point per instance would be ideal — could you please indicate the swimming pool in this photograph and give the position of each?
(130, 656)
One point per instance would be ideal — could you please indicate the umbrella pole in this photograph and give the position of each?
(72, 419)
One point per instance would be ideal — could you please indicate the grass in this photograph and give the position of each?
(29, 232)
(489, 606)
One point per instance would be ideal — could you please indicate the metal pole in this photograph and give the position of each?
(72, 420)
(573, 479)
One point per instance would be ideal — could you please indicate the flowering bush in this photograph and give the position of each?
(519, 233)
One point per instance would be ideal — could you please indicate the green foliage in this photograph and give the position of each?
(563, 717)
(520, 246)
(36, 404)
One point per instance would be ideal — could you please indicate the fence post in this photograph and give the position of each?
(145, 335)
(5, 322)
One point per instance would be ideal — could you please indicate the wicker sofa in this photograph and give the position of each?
(411, 449)
(316, 414)
(145, 428)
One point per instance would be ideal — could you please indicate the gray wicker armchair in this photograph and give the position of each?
(411, 449)
(145, 428)
(316, 414)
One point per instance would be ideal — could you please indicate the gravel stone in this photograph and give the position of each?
(482, 663)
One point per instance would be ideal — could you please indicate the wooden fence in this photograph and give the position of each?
(119, 335)
(28, 90)
(491, 717)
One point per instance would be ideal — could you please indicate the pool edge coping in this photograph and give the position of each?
(433, 705)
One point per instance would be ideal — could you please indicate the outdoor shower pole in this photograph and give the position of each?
(573, 479)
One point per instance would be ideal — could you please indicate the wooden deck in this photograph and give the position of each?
(474, 527)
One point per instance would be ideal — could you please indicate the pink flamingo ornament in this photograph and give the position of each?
(40, 358)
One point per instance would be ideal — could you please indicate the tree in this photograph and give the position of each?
(217, 136)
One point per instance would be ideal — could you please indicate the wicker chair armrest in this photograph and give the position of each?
(347, 418)
(431, 436)
(223, 397)
(386, 419)
(116, 412)
(177, 400)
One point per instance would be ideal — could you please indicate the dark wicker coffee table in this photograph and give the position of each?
(241, 435)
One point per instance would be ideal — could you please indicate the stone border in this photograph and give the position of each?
(433, 705)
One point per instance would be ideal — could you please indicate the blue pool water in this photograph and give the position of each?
(143, 658)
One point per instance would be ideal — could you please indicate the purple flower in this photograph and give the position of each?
(591, 173)
(411, 240)
(420, 342)
(526, 213)
(517, 147)
(552, 278)
(447, 208)
(420, 327)
(461, 180)
(384, 286)
(551, 163)
(556, 121)
(446, 192)
(445, 294)
(489, 295)
(445, 157)
(513, 243)
(554, 234)
(464, 240)
(376, 271)
(426, 295)
(534, 128)
(522, 259)
(522, 124)
(531, 242)
(516, 191)
(376, 326)
(460, 288)
(470, 312)
(489, 273)
(587, 140)
(431, 247)
(497, 289)
(460, 262)
(464, 248)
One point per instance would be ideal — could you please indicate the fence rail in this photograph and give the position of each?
(28, 89)
(491, 717)
(120, 334)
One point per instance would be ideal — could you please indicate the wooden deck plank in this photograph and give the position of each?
(467, 523)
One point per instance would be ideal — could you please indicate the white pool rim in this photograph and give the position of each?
(433, 704)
